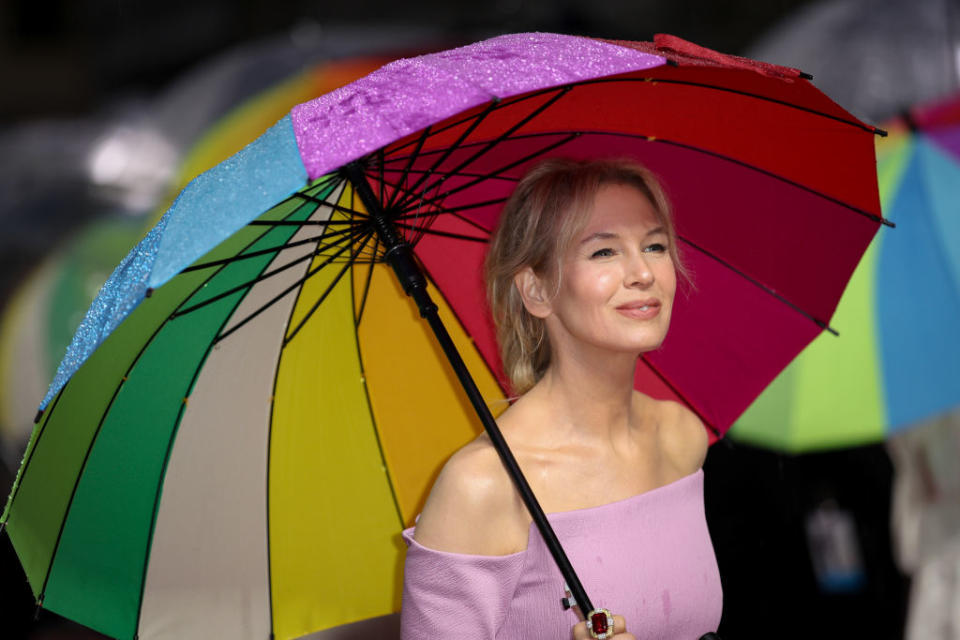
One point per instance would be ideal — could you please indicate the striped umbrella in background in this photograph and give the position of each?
(897, 360)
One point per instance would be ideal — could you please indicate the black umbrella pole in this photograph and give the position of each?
(399, 255)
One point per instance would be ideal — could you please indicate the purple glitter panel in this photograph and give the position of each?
(407, 95)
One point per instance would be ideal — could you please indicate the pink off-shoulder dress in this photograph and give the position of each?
(648, 558)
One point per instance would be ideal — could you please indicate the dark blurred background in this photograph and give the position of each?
(102, 99)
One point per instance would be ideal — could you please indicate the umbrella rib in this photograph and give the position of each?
(380, 155)
(495, 104)
(463, 207)
(757, 96)
(463, 327)
(820, 323)
(440, 196)
(259, 278)
(254, 254)
(269, 458)
(468, 145)
(452, 211)
(406, 170)
(304, 223)
(468, 174)
(266, 505)
(323, 296)
(336, 207)
(518, 137)
(872, 216)
(358, 313)
(366, 390)
(320, 185)
(450, 149)
(316, 223)
(177, 422)
(446, 234)
(663, 378)
(83, 466)
(18, 481)
(560, 92)
(366, 284)
(280, 295)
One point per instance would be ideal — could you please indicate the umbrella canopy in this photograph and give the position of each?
(250, 412)
(898, 362)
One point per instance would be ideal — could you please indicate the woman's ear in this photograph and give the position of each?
(533, 292)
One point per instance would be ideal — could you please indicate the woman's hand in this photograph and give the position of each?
(619, 630)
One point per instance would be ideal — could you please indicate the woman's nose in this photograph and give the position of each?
(639, 273)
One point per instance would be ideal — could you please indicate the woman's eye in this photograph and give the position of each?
(656, 247)
(602, 253)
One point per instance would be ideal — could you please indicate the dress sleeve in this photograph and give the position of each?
(453, 595)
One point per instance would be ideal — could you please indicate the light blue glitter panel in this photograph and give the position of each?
(221, 201)
(210, 209)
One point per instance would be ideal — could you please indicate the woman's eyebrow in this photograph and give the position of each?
(600, 235)
(610, 235)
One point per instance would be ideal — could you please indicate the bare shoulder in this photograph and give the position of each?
(473, 507)
(684, 436)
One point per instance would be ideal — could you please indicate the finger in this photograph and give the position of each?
(619, 627)
(619, 624)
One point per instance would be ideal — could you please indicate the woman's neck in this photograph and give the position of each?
(588, 394)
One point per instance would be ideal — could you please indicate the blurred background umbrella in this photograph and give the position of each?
(874, 57)
(898, 360)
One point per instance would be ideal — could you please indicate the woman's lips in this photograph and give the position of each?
(641, 309)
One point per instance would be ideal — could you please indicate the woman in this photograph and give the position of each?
(581, 277)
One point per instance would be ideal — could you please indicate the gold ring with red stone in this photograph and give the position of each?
(600, 624)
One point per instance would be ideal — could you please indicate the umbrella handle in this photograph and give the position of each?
(400, 256)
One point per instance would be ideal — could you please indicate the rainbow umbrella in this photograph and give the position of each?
(43, 314)
(898, 360)
(252, 410)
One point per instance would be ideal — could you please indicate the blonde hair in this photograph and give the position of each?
(546, 212)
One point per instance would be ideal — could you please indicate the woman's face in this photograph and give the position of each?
(617, 279)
